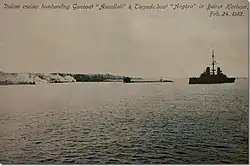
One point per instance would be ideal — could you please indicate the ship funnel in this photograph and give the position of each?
(218, 71)
(208, 70)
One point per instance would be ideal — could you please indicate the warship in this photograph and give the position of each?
(208, 77)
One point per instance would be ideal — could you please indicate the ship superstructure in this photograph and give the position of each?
(211, 76)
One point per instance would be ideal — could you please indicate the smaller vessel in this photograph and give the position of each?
(208, 77)
(129, 80)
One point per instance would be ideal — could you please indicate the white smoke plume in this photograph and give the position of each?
(16, 78)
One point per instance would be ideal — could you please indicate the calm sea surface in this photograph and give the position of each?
(114, 123)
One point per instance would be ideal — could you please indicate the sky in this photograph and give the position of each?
(136, 43)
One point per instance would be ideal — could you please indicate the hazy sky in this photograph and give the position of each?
(135, 43)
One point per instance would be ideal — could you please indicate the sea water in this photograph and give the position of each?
(117, 123)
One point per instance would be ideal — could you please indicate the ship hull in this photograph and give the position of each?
(210, 81)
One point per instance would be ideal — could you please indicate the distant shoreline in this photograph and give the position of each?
(34, 78)
(108, 81)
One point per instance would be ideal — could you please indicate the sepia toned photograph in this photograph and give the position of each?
(124, 82)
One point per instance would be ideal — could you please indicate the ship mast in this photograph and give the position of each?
(213, 61)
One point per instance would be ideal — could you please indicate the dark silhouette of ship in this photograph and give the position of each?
(208, 77)
(129, 80)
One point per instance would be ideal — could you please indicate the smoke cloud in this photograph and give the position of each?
(16, 78)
